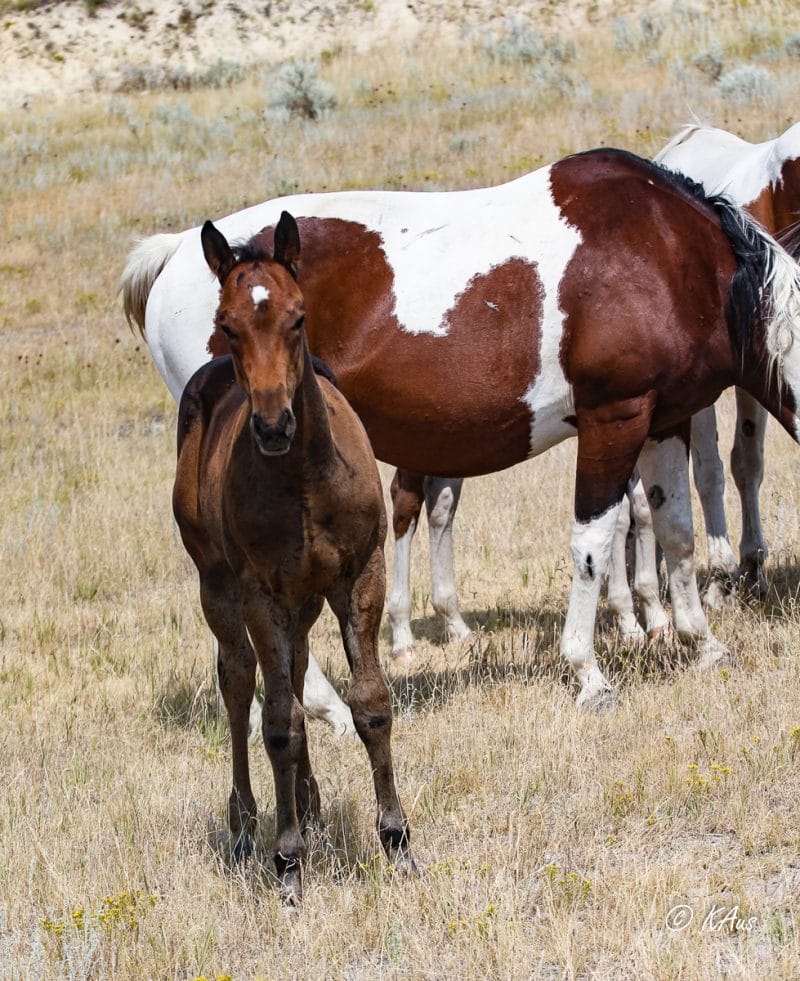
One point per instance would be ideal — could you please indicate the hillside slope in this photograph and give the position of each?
(60, 49)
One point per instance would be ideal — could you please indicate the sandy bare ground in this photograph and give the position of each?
(60, 50)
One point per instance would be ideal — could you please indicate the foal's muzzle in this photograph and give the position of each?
(273, 439)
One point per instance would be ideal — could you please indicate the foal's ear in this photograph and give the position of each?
(218, 253)
(287, 243)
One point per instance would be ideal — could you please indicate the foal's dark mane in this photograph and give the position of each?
(254, 250)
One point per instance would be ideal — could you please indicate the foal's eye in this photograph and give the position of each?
(299, 323)
(226, 331)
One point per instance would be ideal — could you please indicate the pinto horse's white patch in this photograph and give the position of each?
(260, 294)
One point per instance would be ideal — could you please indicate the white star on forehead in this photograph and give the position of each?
(260, 294)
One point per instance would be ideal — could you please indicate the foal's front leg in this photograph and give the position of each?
(359, 611)
(236, 671)
(664, 467)
(272, 630)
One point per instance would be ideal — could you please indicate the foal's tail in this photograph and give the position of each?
(765, 291)
(143, 267)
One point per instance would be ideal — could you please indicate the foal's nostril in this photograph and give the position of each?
(286, 421)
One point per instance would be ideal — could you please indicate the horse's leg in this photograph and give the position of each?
(709, 479)
(236, 672)
(747, 465)
(618, 596)
(664, 467)
(645, 582)
(359, 612)
(407, 495)
(271, 629)
(609, 440)
(321, 701)
(442, 495)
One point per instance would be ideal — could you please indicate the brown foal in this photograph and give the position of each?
(279, 504)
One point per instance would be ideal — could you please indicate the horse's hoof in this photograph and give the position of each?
(718, 596)
(291, 886)
(633, 637)
(751, 581)
(342, 729)
(406, 866)
(714, 654)
(661, 635)
(598, 702)
(403, 657)
(458, 633)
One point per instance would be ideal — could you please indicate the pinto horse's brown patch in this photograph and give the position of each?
(393, 377)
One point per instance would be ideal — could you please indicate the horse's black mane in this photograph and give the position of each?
(746, 237)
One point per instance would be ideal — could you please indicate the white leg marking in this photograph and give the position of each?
(709, 479)
(646, 574)
(399, 605)
(665, 473)
(321, 701)
(619, 597)
(441, 501)
(591, 550)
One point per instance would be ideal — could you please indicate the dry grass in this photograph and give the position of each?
(555, 843)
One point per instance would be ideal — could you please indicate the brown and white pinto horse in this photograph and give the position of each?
(763, 178)
(279, 503)
(600, 297)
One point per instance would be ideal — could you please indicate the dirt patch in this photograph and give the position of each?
(62, 50)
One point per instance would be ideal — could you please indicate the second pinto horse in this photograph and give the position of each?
(279, 503)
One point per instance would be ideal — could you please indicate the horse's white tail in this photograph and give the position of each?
(143, 267)
(680, 137)
(782, 321)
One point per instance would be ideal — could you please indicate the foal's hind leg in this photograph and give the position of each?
(236, 670)
(442, 495)
(747, 464)
(664, 468)
(358, 611)
(407, 495)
